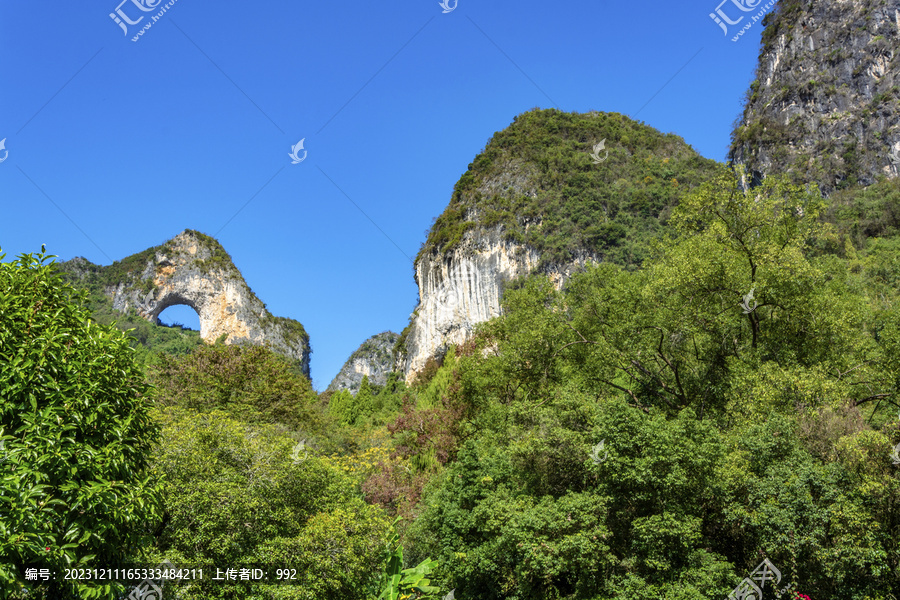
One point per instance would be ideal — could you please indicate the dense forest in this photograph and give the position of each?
(642, 433)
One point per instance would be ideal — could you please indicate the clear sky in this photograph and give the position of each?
(114, 145)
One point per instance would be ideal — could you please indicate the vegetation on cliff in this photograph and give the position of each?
(537, 180)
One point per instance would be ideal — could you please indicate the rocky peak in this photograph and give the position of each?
(549, 193)
(194, 269)
(464, 286)
(373, 359)
(825, 104)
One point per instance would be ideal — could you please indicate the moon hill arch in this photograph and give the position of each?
(195, 270)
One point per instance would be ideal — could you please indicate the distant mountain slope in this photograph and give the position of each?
(372, 359)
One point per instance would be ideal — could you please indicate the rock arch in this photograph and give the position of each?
(193, 269)
(173, 299)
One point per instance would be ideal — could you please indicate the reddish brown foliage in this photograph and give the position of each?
(426, 439)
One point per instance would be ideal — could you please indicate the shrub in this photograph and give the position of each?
(241, 494)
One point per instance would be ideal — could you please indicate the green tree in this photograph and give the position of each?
(75, 488)
(734, 296)
(241, 494)
(734, 425)
(365, 398)
(526, 513)
(252, 383)
(343, 407)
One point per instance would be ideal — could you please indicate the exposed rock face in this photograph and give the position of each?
(373, 359)
(825, 105)
(194, 269)
(462, 288)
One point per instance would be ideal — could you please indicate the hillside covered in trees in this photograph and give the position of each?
(538, 181)
(643, 433)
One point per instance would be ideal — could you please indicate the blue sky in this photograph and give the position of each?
(115, 145)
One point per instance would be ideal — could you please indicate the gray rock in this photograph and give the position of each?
(374, 358)
(825, 105)
(459, 289)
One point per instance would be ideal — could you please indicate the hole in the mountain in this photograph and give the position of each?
(180, 315)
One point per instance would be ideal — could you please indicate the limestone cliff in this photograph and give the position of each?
(373, 359)
(464, 287)
(193, 269)
(549, 193)
(825, 105)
